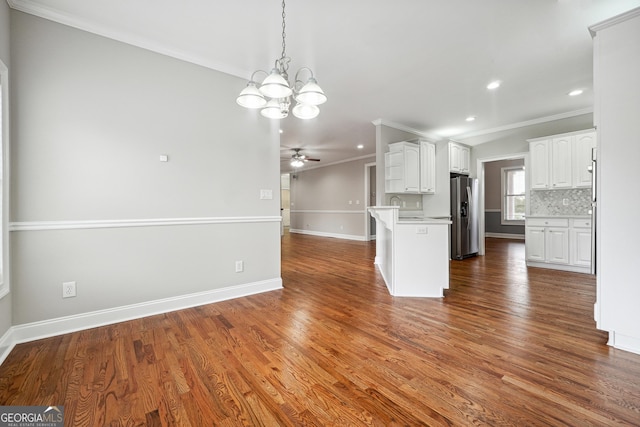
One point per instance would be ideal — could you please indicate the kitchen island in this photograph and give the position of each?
(412, 253)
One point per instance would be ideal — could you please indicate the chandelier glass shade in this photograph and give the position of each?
(275, 94)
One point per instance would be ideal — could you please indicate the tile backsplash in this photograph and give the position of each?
(550, 202)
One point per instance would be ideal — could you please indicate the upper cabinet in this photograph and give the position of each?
(459, 158)
(582, 157)
(409, 167)
(427, 167)
(561, 161)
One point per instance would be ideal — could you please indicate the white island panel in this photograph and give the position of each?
(412, 254)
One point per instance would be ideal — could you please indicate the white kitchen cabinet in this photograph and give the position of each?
(558, 242)
(561, 161)
(402, 168)
(459, 158)
(534, 241)
(427, 167)
(547, 240)
(582, 148)
(539, 170)
(410, 167)
(581, 242)
(557, 245)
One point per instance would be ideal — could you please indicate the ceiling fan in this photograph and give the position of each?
(298, 160)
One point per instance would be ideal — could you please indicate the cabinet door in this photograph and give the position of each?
(561, 162)
(581, 247)
(582, 146)
(534, 241)
(454, 158)
(557, 245)
(427, 167)
(539, 154)
(465, 159)
(412, 168)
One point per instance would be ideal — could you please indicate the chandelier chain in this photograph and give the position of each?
(284, 34)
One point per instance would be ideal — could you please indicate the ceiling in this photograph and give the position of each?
(419, 65)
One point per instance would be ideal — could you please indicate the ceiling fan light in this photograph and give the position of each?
(297, 163)
(250, 97)
(305, 111)
(275, 86)
(311, 93)
(273, 111)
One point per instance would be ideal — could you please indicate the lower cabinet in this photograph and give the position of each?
(581, 242)
(559, 243)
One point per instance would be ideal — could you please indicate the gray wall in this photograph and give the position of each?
(320, 200)
(91, 116)
(493, 198)
(5, 303)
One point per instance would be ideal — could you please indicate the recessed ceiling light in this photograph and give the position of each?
(360, 147)
(470, 118)
(576, 92)
(281, 131)
(494, 85)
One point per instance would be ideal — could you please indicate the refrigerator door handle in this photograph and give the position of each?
(470, 206)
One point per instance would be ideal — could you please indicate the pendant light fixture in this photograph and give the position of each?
(274, 95)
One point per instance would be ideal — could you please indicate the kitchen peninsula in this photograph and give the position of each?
(412, 253)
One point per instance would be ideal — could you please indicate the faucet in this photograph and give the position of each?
(395, 198)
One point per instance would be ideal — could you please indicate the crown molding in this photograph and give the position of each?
(429, 136)
(526, 123)
(614, 21)
(51, 14)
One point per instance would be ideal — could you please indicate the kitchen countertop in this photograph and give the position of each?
(558, 216)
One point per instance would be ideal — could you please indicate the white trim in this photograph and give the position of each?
(511, 126)
(352, 159)
(593, 29)
(5, 146)
(480, 174)
(563, 267)
(429, 136)
(63, 325)
(565, 134)
(504, 236)
(320, 211)
(624, 342)
(51, 14)
(324, 234)
(121, 223)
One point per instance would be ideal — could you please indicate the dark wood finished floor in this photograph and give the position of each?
(507, 346)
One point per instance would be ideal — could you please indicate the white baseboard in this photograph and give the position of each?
(563, 267)
(324, 234)
(505, 236)
(624, 342)
(63, 325)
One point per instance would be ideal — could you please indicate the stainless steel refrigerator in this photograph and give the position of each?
(464, 217)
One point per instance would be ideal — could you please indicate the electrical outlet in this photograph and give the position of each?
(68, 289)
(239, 266)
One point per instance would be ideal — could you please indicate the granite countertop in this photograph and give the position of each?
(559, 216)
(424, 219)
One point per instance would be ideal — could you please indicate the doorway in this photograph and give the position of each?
(484, 166)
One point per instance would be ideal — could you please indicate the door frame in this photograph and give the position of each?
(480, 175)
(367, 189)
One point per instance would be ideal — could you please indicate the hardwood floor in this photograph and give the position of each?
(508, 345)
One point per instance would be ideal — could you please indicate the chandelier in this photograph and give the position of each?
(274, 95)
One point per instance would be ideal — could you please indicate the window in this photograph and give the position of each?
(513, 195)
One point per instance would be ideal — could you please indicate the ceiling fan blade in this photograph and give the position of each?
(306, 159)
